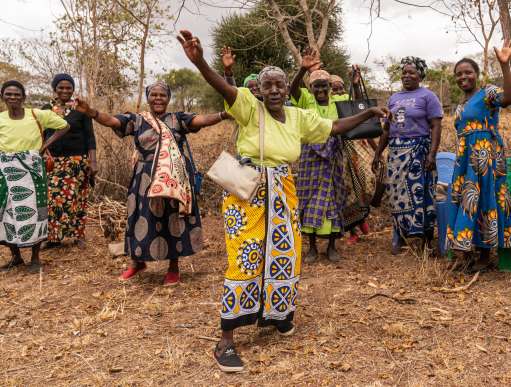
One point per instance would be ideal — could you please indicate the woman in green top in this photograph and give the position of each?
(23, 188)
(262, 236)
(331, 189)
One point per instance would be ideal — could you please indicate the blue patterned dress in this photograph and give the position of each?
(480, 215)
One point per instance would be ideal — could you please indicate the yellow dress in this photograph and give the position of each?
(263, 237)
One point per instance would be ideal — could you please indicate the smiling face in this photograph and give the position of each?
(273, 88)
(158, 100)
(337, 88)
(466, 77)
(64, 91)
(252, 86)
(321, 90)
(410, 77)
(13, 97)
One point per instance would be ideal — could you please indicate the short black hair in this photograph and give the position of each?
(471, 62)
(14, 83)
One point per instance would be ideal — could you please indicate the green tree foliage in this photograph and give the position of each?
(190, 91)
(256, 41)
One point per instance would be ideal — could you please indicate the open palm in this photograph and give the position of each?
(310, 60)
(191, 45)
(228, 58)
(503, 54)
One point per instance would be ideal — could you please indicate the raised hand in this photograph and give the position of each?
(310, 60)
(356, 74)
(81, 105)
(228, 58)
(503, 54)
(191, 45)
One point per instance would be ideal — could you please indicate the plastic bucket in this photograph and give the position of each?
(504, 259)
(445, 166)
(442, 217)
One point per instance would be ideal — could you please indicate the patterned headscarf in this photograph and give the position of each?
(271, 70)
(420, 64)
(251, 77)
(319, 75)
(161, 84)
(336, 78)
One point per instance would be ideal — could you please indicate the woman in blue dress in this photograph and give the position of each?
(480, 216)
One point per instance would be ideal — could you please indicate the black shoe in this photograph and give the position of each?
(286, 328)
(228, 360)
(52, 245)
(12, 264)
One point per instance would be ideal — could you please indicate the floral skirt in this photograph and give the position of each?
(480, 213)
(68, 191)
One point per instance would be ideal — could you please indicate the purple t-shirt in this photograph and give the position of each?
(412, 112)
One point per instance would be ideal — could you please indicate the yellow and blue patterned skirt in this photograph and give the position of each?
(263, 241)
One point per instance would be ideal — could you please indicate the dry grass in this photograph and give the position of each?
(77, 325)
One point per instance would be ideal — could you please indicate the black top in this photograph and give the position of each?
(78, 140)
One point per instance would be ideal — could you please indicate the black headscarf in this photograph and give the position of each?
(62, 77)
(15, 84)
(420, 64)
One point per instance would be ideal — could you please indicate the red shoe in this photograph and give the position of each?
(171, 279)
(131, 272)
(364, 227)
(353, 239)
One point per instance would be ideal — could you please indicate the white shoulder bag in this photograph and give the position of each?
(237, 179)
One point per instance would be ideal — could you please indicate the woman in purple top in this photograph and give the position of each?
(413, 136)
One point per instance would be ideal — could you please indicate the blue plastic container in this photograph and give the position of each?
(445, 166)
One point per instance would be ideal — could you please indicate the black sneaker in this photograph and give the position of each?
(286, 328)
(228, 360)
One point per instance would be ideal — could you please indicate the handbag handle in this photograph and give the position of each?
(262, 124)
(362, 86)
(39, 126)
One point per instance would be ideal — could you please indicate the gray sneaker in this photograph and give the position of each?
(229, 360)
(311, 256)
(333, 255)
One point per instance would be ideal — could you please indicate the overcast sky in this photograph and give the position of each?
(404, 31)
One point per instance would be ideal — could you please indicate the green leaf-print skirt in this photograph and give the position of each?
(23, 199)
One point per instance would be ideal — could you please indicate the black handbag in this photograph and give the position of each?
(368, 129)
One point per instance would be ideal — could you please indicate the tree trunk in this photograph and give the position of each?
(505, 19)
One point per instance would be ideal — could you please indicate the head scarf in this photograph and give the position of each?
(161, 84)
(270, 70)
(15, 84)
(319, 75)
(62, 77)
(336, 78)
(420, 64)
(251, 77)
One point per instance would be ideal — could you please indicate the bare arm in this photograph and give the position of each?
(294, 89)
(100, 117)
(228, 60)
(55, 137)
(344, 125)
(382, 144)
(436, 134)
(310, 62)
(202, 120)
(193, 50)
(503, 55)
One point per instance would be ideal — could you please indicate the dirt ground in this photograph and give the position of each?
(77, 325)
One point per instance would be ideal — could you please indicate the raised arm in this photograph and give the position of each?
(193, 50)
(310, 62)
(202, 120)
(102, 118)
(228, 61)
(344, 125)
(503, 55)
(357, 77)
